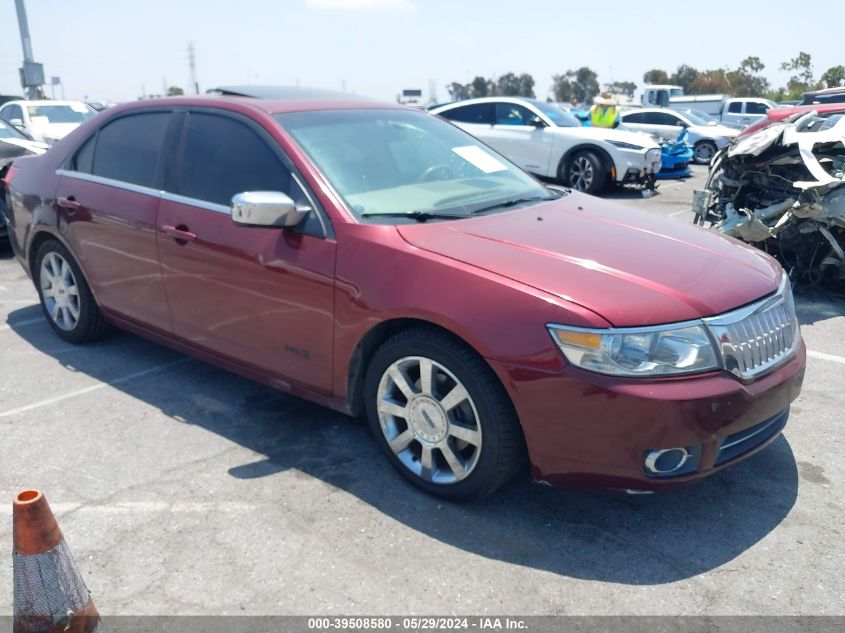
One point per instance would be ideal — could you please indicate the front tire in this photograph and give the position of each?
(441, 416)
(584, 172)
(703, 152)
(65, 297)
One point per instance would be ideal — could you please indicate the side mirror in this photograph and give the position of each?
(266, 208)
(16, 122)
(536, 121)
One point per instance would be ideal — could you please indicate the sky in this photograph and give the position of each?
(110, 50)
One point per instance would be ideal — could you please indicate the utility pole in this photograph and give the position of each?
(192, 64)
(32, 73)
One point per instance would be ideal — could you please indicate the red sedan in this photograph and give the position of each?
(380, 261)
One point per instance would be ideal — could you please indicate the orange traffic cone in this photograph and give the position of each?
(49, 593)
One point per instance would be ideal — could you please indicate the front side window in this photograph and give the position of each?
(223, 157)
(129, 148)
(7, 131)
(755, 107)
(735, 107)
(634, 117)
(394, 162)
(557, 116)
(513, 114)
(482, 113)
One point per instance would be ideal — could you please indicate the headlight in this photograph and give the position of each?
(622, 145)
(683, 348)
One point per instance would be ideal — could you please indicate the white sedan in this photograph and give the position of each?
(546, 141)
(706, 135)
(46, 120)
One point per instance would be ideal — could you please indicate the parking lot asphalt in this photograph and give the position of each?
(184, 489)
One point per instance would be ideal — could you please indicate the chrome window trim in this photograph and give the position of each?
(109, 182)
(196, 202)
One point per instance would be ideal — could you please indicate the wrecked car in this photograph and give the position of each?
(783, 190)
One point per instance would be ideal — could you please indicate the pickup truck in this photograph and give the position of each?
(733, 111)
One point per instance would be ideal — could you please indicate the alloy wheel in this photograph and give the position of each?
(581, 173)
(429, 420)
(704, 153)
(59, 291)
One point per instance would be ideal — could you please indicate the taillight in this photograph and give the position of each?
(7, 179)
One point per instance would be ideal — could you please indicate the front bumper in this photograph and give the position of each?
(637, 168)
(584, 429)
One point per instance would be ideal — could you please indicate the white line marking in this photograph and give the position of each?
(22, 323)
(673, 214)
(80, 392)
(822, 356)
(131, 507)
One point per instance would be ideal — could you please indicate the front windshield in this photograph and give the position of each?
(559, 117)
(699, 118)
(7, 131)
(59, 113)
(387, 162)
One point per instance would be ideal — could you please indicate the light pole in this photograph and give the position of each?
(32, 73)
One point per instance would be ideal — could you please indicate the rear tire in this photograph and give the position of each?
(441, 416)
(585, 172)
(65, 297)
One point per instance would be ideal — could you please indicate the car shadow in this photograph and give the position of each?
(818, 304)
(594, 535)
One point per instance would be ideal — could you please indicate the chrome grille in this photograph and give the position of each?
(754, 339)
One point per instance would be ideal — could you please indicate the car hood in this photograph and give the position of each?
(33, 146)
(628, 266)
(714, 130)
(608, 134)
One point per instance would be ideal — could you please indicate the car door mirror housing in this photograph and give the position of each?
(536, 121)
(267, 208)
(16, 122)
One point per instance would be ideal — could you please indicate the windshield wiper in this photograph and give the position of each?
(511, 203)
(419, 216)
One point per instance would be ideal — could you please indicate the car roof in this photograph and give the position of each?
(464, 102)
(267, 100)
(38, 102)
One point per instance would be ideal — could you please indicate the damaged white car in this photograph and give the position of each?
(783, 189)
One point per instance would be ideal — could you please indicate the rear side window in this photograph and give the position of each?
(475, 113)
(84, 159)
(755, 107)
(634, 117)
(128, 149)
(223, 157)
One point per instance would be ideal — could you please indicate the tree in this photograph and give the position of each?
(746, 81)
(458, 91)
(581, 85)
(627, 88)
(562, 88)
(175, 91)
(510, 84)
(684, 77)
(656, 76)
(834, 77)
(480, 87)
(802, 79)
(710, 82)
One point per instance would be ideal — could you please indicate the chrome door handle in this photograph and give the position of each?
(179, 233)
(68, 203)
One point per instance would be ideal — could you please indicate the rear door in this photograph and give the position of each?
(262, 297)
(475, 118)
(107, 199)
(528, 146)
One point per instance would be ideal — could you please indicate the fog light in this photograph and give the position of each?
(665, 461)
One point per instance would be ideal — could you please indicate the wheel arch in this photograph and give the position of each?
(603, 154)
(373, 339)
(42, 235)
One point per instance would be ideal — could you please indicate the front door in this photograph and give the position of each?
(260, 296)
(527, 145)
